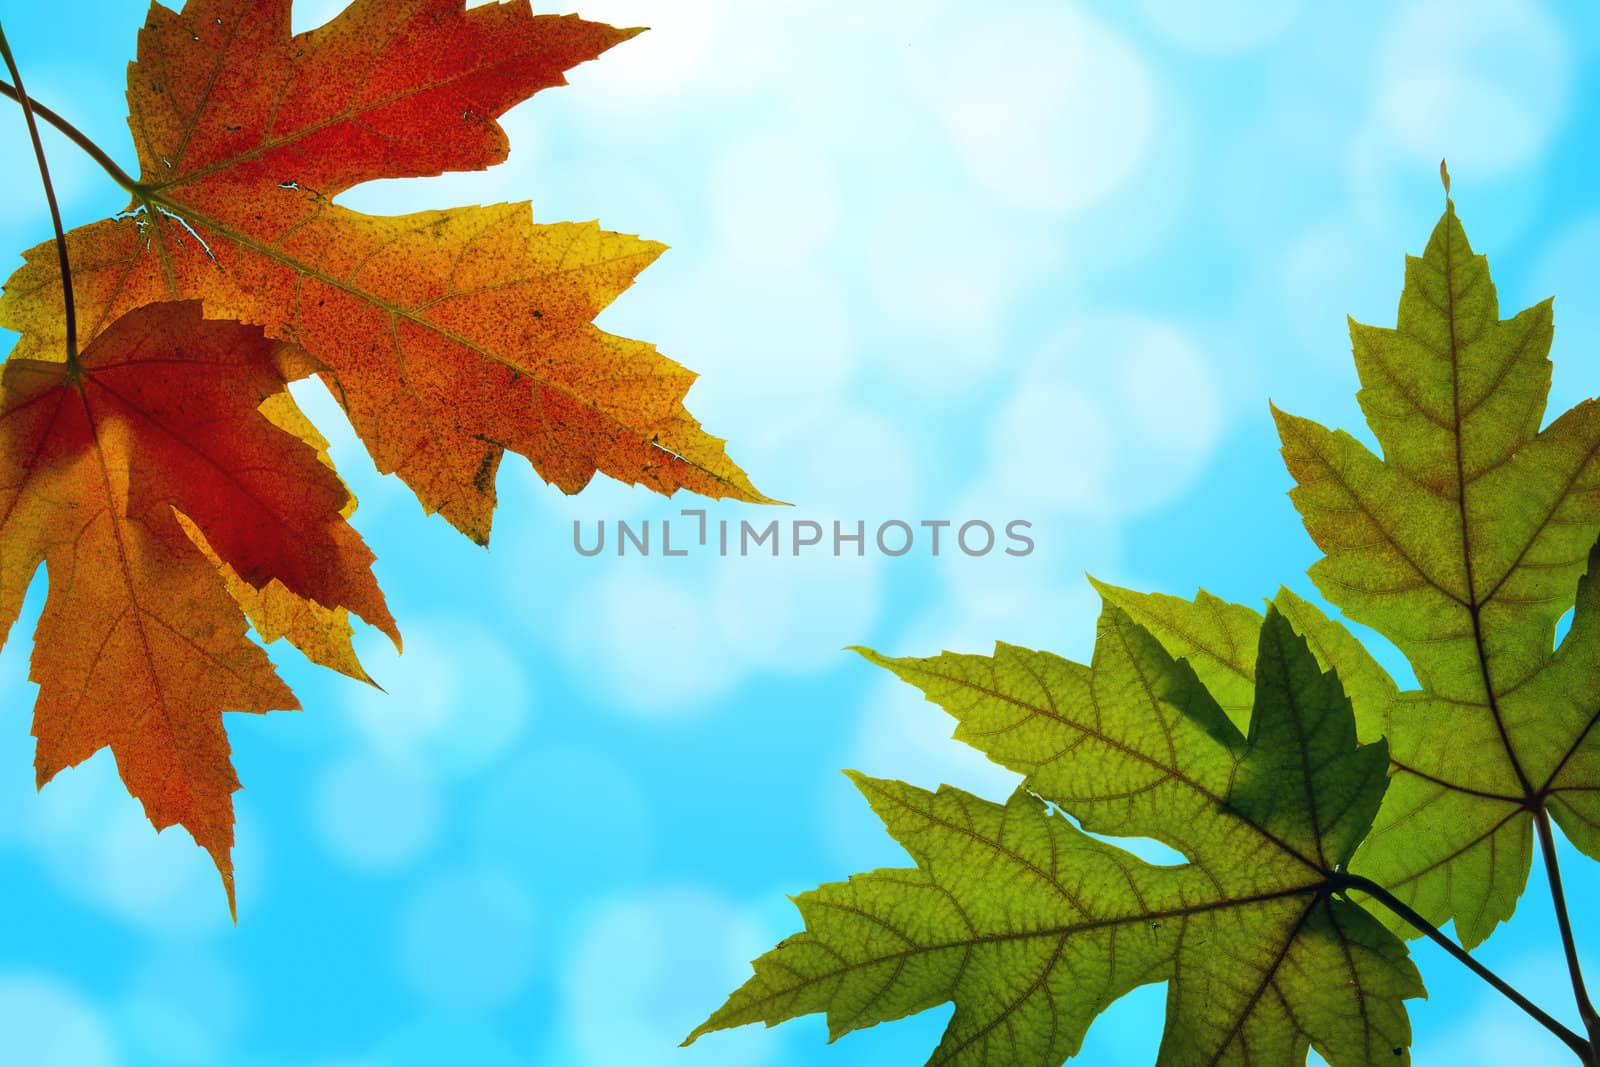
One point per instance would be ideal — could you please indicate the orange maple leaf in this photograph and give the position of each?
(109, 465)
(449, 336)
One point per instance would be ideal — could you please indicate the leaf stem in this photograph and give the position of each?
(1401, 908)
(21, 96)
(1558, 896)
(73, 134)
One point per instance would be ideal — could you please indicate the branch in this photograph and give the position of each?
(1558, 896)
(21, 96)
(73, 134)
(1404, 910)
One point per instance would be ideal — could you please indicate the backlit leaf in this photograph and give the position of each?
(1464, 544)
(105, 469)
(450, 336)
(1032, 927)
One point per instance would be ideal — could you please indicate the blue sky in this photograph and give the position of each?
(935, 261)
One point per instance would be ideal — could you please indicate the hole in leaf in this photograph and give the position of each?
(190, 230)
(1384, 651)
(1563, 625)
(1146, 848)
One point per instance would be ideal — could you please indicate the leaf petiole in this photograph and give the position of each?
(1577, 1044)
(19, 94)
(77, 137)
(1558, 897)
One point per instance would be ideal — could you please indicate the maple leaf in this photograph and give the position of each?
(322, 634)
(1032, 927)
(1464, 544)
(112, 468)
(449, 336)
(1215, 637)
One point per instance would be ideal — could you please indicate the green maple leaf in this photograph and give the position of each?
(1212, 635)
(1032, 927)
(1463, 545)
(1218, 639)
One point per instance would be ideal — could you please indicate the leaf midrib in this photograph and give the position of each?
(267, 251)
(348, 115)
(1474, 606)
(1061, 931)
(125, 572)
(1176, 773)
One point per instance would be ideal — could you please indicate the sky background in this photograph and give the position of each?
(935, 261)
